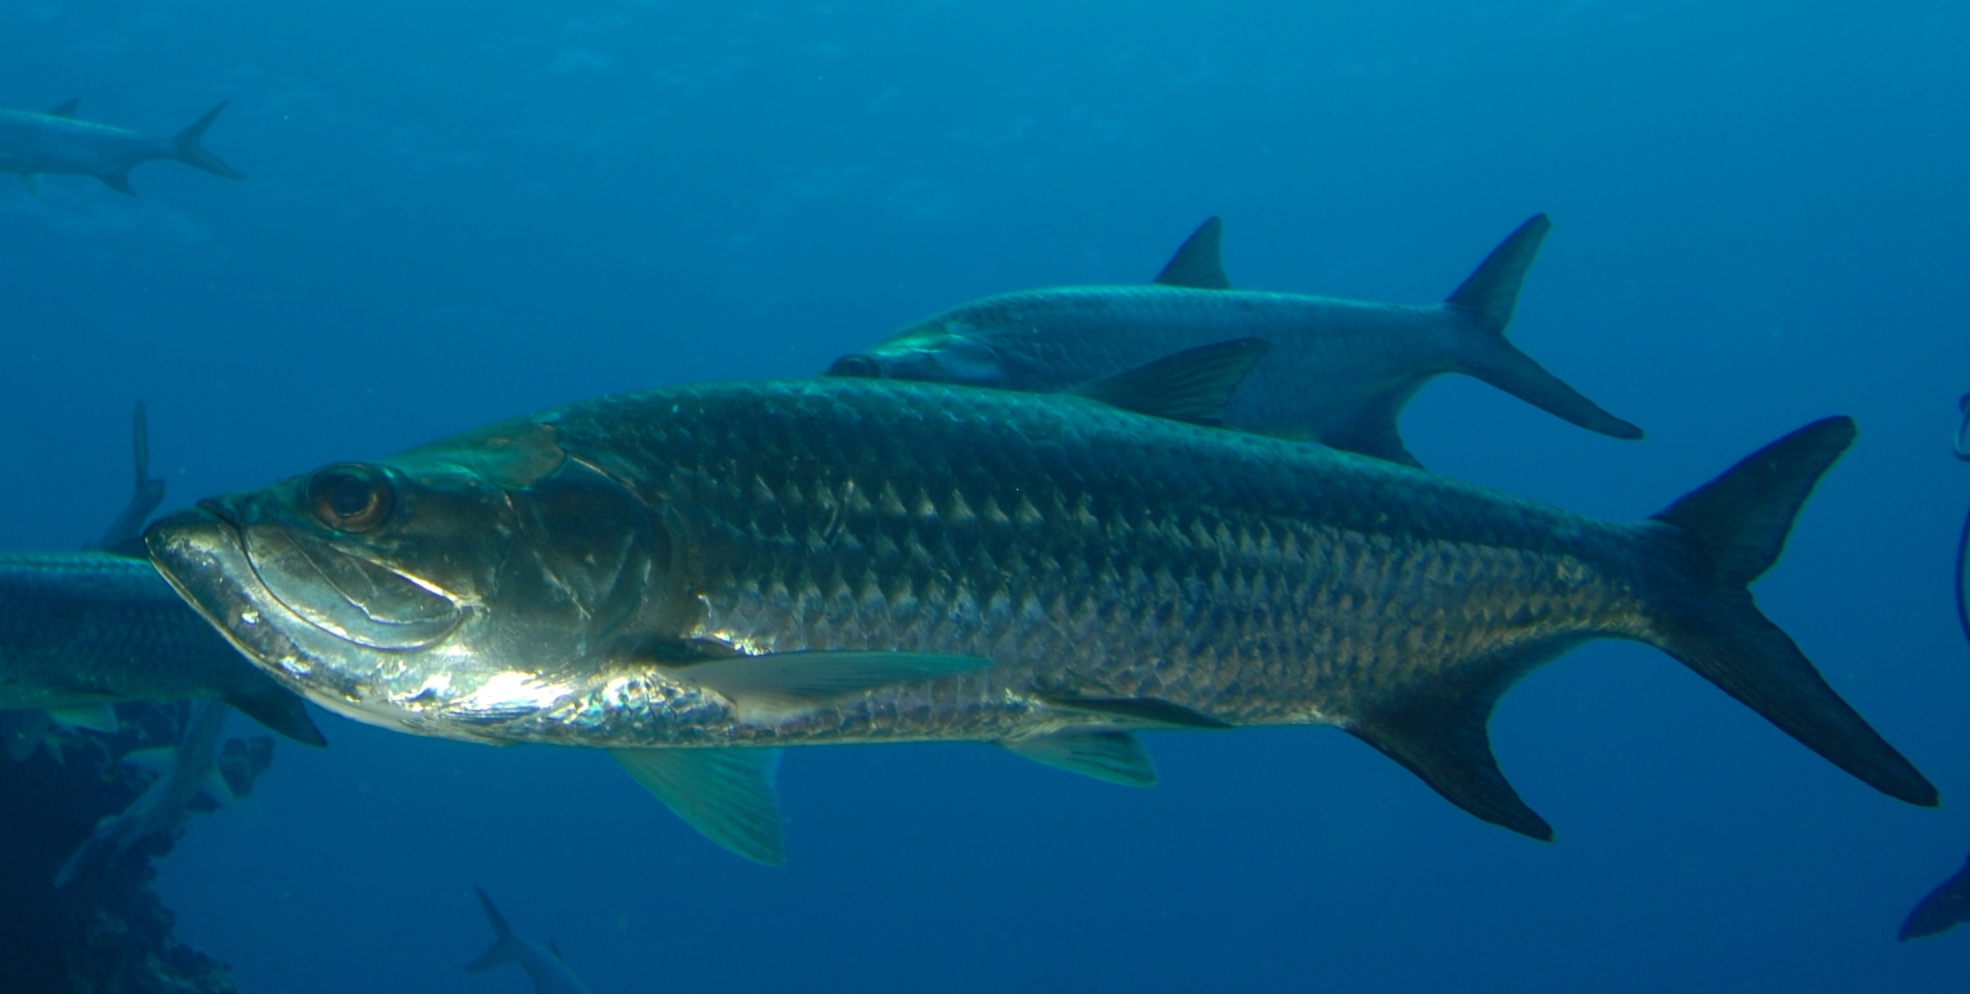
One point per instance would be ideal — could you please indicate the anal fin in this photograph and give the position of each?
(1101, 753)
(1442, 737)
(726, 793)
(1373, 432)
(118, 181)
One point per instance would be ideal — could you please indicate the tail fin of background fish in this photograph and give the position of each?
(1487, 298)
(125, 534)
(1944, 908)
(506, 946)
(186, 149)
(1712, 544)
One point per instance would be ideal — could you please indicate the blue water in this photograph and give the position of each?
(460, 211)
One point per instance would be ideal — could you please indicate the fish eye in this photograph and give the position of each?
(350, 497)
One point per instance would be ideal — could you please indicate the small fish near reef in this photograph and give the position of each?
(56, 142)
(693, 577)
(1340, 371)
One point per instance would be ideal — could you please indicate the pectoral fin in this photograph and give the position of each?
(1101, 753)
(1194, 385)
(33, 183)
(727, 794)
(765, 685)
(98, 718)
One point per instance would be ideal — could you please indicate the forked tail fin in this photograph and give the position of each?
(1702, 552)
(1487, 298)
(506, 945)
(186, 149)
(1727, 533)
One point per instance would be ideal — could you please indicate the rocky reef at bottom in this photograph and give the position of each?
(106, 931)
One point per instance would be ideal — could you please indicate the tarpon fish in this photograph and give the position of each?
(549, 973)
(55, 141)
(80, 631)
(1340, 371)
(184, 771)
(694, 576)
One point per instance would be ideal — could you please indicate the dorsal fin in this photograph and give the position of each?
(64, 109)
(1199, 262)
(1194, 385)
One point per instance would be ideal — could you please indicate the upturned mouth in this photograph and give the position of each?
(203, 557)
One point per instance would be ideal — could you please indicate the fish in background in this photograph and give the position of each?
(695, 576)
(1339, 373)
(1949, 904)
(545, 967)
(80, 631)
(55, 141)
(184, 772)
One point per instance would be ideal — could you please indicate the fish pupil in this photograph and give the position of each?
(350, 496)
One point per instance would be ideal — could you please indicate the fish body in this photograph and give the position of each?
(184, 771)
(56, 142)
(81, 629)
(543, 965)
(760, 564)
(1339, 371)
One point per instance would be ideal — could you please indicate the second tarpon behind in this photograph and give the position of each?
(55, 141)
(1340, 371)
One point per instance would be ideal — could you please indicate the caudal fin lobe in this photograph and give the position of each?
(505, 947)
(186, 149)
(1726, 534)
(1487, 298)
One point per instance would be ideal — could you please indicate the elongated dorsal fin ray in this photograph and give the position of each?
(125, 533)
(1194, 385)
(64, 109)
(1199, 262)
(1102, 753)
(726, 793)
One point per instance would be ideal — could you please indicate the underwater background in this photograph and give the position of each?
(461, 211)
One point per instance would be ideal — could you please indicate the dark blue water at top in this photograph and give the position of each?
(460, 211)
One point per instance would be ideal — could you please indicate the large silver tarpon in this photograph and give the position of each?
(695, 575)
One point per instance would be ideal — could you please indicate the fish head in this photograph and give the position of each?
(933, 352)
(452, 587)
